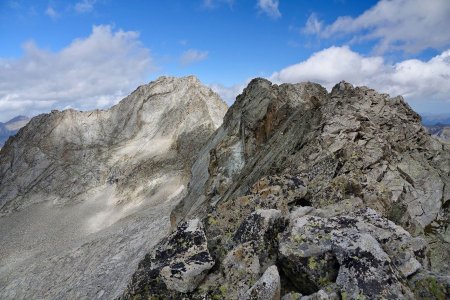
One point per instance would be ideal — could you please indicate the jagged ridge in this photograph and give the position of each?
(292, 157)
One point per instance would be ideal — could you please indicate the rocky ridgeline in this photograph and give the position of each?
(84, 195)
(305, 194)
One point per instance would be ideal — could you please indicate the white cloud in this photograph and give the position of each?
(52, 13)
(229, 93)
(91, 72)
(313, 25)
(269, 7)
(192, 56)
(416, 80)
(406, 25)
(85, 6)
(210, 4)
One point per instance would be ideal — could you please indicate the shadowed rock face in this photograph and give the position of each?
(343, 194)
(84, 195)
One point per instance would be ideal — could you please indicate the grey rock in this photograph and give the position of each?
(241, 268)
(363, 253)
(177, 265)
(267, 287)
(322, 295)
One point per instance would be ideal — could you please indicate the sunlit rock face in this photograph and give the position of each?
(335, 195)
(84, 195)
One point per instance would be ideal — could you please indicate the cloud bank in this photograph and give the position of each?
(405, 25)
(92, 72)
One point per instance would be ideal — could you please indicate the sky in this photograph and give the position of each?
(88, 54)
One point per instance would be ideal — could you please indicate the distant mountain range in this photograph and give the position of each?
(432, 120)
(11, 127)
(438, 125)
(441, 131)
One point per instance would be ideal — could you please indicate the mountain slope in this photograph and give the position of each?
(84, 194)
(300, 191)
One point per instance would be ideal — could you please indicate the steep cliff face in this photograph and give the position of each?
(83, 195)
(304, 192)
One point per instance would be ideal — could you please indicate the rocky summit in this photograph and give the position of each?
(305, 194)
(294, 193)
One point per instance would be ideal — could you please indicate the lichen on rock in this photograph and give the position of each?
(344, 194)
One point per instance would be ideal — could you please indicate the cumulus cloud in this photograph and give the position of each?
(269, 7)
(92, 72)
(85, 6)
(414, 79)
(192, 56)
(406, 25)
(51, 12)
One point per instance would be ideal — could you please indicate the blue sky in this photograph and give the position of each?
(88, 54)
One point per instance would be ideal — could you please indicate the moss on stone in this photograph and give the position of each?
(312, 263)
(430, 288)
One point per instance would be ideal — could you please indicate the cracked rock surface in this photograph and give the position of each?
(344, 192)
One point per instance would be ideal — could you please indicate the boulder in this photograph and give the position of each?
(177, 265)
(363, 253)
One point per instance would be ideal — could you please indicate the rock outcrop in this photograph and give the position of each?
(84, 195)
(177, 265)
(344, 195)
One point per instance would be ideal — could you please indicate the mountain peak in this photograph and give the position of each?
(17, 119)
(114, 174)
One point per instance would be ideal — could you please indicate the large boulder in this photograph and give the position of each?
(177, 265)
(363, 253)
